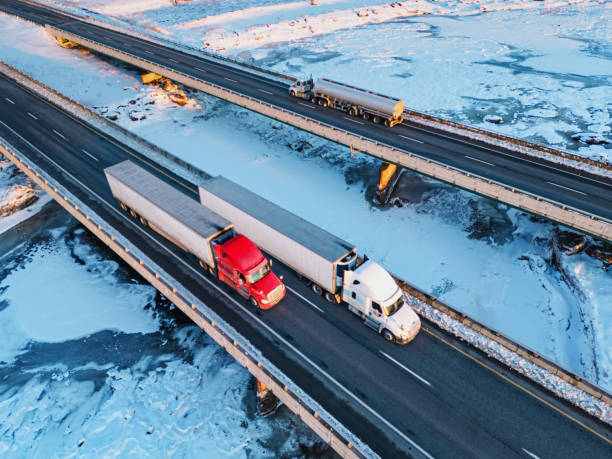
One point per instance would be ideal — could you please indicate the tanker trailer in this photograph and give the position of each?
(354, 101)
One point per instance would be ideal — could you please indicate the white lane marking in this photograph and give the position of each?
(350, 119)
(512, 156)
(230, 298)
(267, 92)
(567, 188)
(307, 105)
(90, 155)
(198, 68)
(410, 138)
(172, 60)
(9, 100)
(29, 114)
(307, 301)
(403, 367)
(530, 454)
(229, 79)
(479, 160)
(148, 52)
(58, 133)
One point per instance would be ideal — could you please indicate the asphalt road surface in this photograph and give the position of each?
(581, 190)
(434, 396)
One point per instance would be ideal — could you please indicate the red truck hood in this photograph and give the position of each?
(268, 283)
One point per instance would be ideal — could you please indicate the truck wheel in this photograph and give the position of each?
(123, 206)
(144, 221)
(376, 119)
(388, 335)
(333, 299)
(365, 116)
(133, 213)
(292, 93)
(387, 123)
(318, 290)
(254, 302)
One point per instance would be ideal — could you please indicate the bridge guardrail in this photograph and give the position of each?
(514, 346)
(313, 415)
(524, 147)
(522, 350)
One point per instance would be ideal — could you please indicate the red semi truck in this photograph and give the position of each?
(228, 256)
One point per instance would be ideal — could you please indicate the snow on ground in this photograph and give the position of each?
(460, 60)
(493, 263)
(95, 363)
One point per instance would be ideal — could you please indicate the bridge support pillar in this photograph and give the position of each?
(267, 402)
(389, 175)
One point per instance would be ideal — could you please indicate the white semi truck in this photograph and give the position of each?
(329, 263)
(354, 101)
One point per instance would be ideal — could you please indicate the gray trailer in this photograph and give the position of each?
(353, 100)
(166, 210)
(316, 254)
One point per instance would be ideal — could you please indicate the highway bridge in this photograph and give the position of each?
(436, 397)
(573, 197)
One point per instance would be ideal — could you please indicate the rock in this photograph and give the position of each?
(112, 117)
(493, 119)
(137, 115)
(591, 138)
(16, 197)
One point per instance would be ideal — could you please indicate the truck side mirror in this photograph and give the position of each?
(270, 261)
(282, 277)
(356, 282)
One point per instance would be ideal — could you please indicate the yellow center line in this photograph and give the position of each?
(100, 134)
(517, 385)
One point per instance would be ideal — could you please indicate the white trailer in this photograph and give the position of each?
(352, 100)
(331, 264)
(166, 210)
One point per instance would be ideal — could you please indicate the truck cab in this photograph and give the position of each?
(372, 294)
(241, 265)
(302, 89)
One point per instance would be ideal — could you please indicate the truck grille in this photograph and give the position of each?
(276, 295)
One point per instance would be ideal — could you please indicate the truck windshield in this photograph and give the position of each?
(258, 275)
(392, 308)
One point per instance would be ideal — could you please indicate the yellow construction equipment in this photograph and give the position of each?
(65, 43)
(386, 173)
(150, 77)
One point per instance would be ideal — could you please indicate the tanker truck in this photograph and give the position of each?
(354, 101)
(329, 264)
(230, 257)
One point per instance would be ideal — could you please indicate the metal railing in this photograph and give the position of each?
(526, 146)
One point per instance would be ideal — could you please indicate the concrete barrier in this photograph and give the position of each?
(552, 210)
